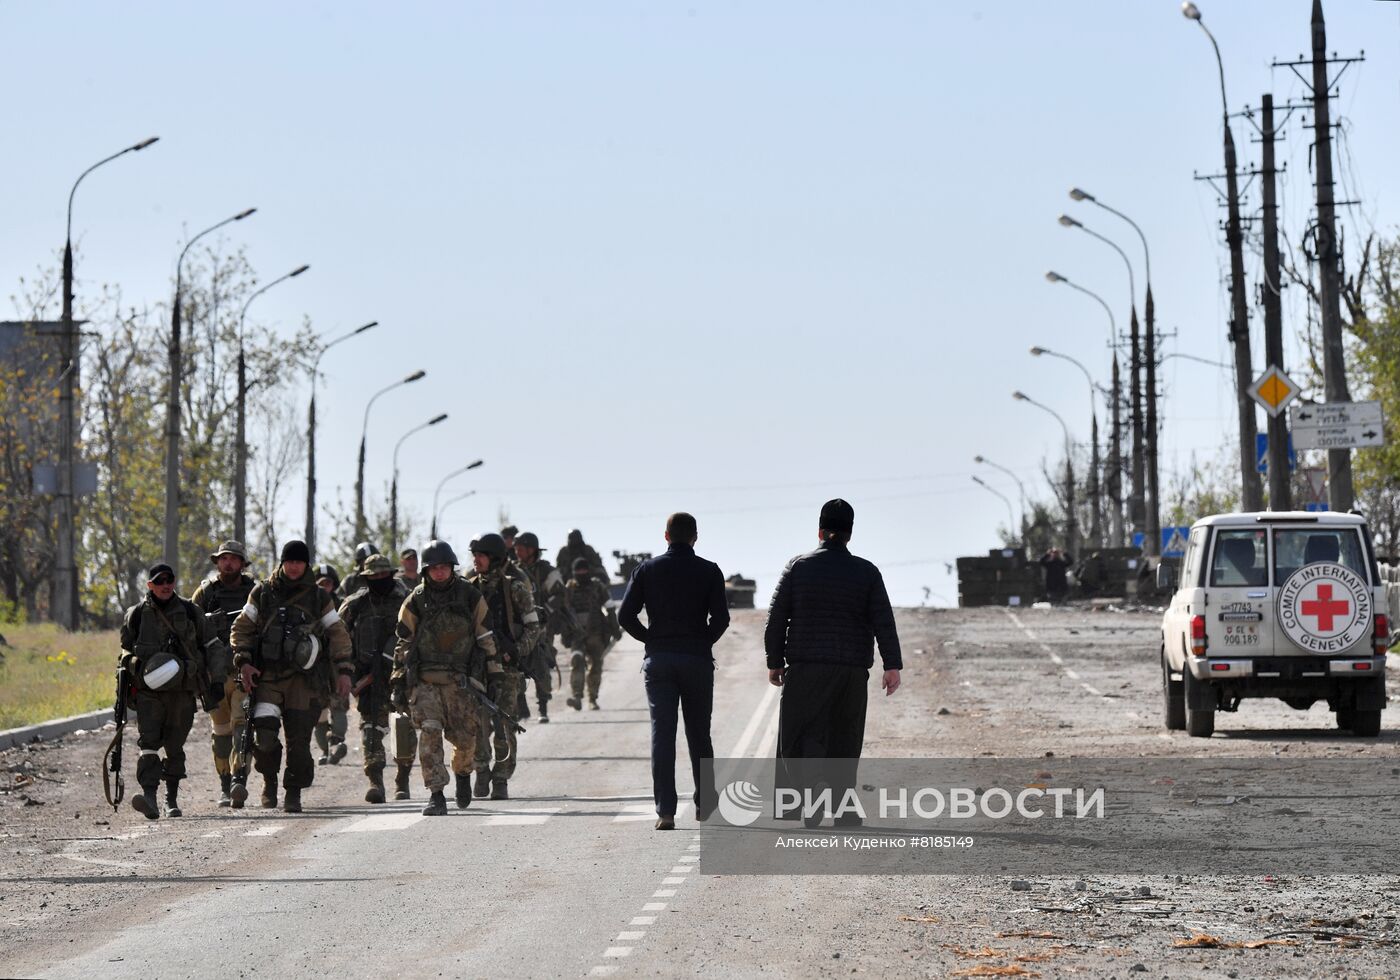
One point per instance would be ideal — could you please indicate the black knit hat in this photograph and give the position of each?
(581, 565)
(837, 515)
(295, 550)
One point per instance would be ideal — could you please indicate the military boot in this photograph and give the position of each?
(593, 704)
(498, 790)
(522, 704)
(323, 736)
(544, 712)
(375, 793)
(269, 793)
(575, 703)
(292, 803)
(464, 790)
(483, 784)
(172, 798)
(437, 805)
(225, 789)
(401, 781)
(338, 752)
(237, 794)
(144, 803)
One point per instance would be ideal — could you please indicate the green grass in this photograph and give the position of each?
(50, 673)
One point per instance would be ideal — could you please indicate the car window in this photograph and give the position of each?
(1296, 547)
(1191, 564)
(1239, 558)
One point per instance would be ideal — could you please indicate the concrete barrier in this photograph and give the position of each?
(47, 731)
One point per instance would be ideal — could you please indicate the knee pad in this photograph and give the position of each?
(432, 725)
(578, 660)
(264, 710)
(223, 745)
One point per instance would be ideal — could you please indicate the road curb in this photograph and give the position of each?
(47, 731)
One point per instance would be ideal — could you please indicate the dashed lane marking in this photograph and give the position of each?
(629, 937)
(267, 830)
(521, 818)
(664, 893)
(383, 821)
(614, 951)
(1055, 658)
(602, 971)
(654, 907)
(636, 812)
(1092, 690)
(643, 920)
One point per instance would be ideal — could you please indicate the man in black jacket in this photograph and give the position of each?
(827, 613)
(686, 613)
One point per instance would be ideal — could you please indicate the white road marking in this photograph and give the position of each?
(636, 812)
(104, 862)
(689, 857)
(1092, 690)
(629, 937)
(383, 821)
(643, 920)
(681, 869)
(267, 830)
(741, 747)
(1164, 735)
(602, 971)
(618, 951)
(664, 893)
(674, 880)
(1133, 715)
(767, 745)
(654, 907)
(521, 818)
(1071, 673)
(694, 847)
(213, 833)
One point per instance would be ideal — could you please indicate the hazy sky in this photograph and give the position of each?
(734, 258)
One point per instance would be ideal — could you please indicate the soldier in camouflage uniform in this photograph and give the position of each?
(589, 629)
(291, 651)
(515, 626)
(444, 644)
(408, 568)
(354, 582)
(370, 616)
(165, 647)
(576, 549)
(221, 597)
(334, 719)
(549, 600)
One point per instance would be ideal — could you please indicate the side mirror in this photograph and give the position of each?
(1166, 578)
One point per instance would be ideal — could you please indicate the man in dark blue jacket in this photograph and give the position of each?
(686, 614)
(829, 610)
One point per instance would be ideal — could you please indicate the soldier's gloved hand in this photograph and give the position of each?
(132, 664)
(342, 685)
(398, 695)
(247, 676)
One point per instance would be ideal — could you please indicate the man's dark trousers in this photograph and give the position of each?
(821, 716)
(683, 681)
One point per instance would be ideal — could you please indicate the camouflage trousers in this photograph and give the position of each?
(586, 664)
(222, 721)
(496, 734)
(374, 728)
(542, 672)
(286, 703)
(441, 708)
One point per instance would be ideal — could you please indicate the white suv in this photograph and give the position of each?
(1284, 605)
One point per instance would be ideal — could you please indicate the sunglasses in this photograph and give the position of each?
(163, 580)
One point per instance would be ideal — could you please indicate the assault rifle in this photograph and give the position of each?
(113, 786)
(244, 750)
(478, 690)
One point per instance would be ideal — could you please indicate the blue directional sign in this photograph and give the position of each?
(1261, 452)
(1316, 506)
(1173, 541)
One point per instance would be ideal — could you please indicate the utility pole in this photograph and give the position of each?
(1340, 492)
(1280, 493)
(1115, 458)
(1137, 506)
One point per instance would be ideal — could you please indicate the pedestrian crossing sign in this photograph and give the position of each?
(1274, 390)
(1174, 541)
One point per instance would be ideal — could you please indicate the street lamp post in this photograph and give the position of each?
(65, 572)
(438, 492)
(1010, 516)
(394, 485)
(448, 503)
(360, 523)
(172, 413)
(1020, 488)
(1251, 487)
(1096, 503)
(240, 465)
(311, 435)
(1152, 534)
(1114, 469)
(1071, 522)
(1136, 498)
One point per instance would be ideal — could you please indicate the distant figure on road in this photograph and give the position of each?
(1056, 564)
(683, 595)
(829, 610)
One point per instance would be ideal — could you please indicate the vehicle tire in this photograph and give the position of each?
(1367, 724)
(1173, 699)
(1346, 717)
(1200, 722)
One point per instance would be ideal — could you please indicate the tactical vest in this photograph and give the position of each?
(585, 603)
(286, 619)
(446, 634)
(504, 615)
(374, 618)
(153, 636)
(230, 600)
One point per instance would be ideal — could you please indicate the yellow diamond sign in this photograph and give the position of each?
(1274, 390)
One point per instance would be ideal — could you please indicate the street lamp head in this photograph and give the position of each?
(978, 459)
(1078, 195)
(368, 326)
(1020, 396)
(1069, 222)
(978, 480)
(415, 376)
(440, 418)
(298, 271)
(1054, 277)
(145, 143)
(1190, 11)
(243, 214)
(476, 464)
(1037, 351)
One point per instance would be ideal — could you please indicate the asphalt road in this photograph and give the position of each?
(568, 878)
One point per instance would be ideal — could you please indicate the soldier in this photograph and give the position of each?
(575, 549)
(444, 644)
(515, 626)
(354, 581)
(334, 719)
(408, 568)
(221, 597)
(589, 629)
(288, 643)
(165, 647)
(370, 616)
(328, 579)
(549, 600)
(508, 534)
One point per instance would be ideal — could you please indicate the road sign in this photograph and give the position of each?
(1338, 425)
(45, 477)
(1274, 390)
(1316, 506)
(1261, 453)
(1173, 541)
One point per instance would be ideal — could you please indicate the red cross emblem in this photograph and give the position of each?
(1325, 608)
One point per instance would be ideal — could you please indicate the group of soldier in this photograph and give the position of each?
(441, 654)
